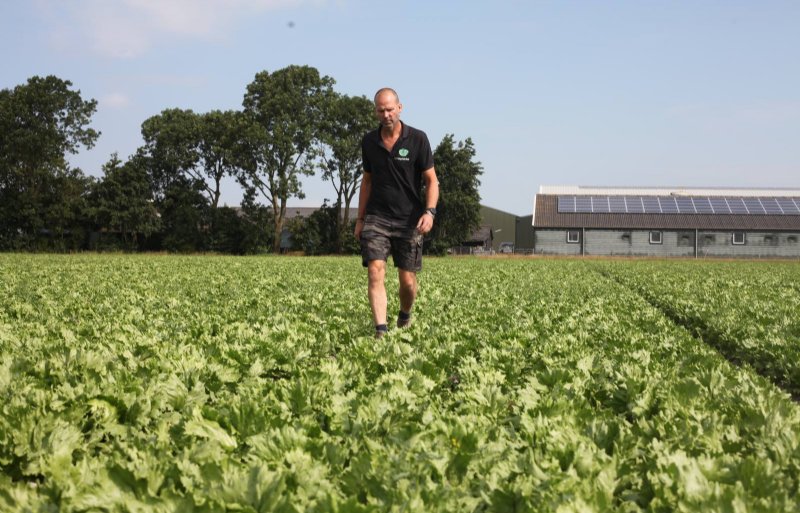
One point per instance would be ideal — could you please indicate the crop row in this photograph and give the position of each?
(211, 384)
(748, 310)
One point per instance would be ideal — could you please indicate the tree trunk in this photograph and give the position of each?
(276, 238)
(348, 198)
(338, 228)
(279, 212)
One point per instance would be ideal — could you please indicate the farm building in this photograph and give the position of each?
(507, 230)
(660, 221)
(497, 228)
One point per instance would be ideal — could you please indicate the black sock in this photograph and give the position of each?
(403, 316)
(381, 327)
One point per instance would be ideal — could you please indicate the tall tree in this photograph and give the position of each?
(67, 216)
(345, 121)
(40, 123)
(171, 141)
(184, 216)
(459, 209)
(286, 107)
(218, 143)
(123, 200)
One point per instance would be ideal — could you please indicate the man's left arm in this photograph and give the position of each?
(425, 223)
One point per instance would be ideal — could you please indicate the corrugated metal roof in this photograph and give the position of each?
(547, 216)
(665, 191)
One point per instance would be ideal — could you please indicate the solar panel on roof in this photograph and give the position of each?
(702, 205)
(633, 204)
(583, 205)
(737, 206)
(753, 206)
(566, 204)
(669, 205)
(719, 205)
(685, 205)
(600, 204)
(651, 205)
(716, 205)
(616, 205)
(771, 206)
(788, 206)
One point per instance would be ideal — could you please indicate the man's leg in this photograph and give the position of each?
(408, 293)
(376, 270)
(408, 289)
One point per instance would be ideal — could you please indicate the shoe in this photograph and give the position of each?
(403, 323)
(380, 333)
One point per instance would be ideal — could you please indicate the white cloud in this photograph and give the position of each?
(115, 101)
(129, 28)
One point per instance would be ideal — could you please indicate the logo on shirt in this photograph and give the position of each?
(403, 154)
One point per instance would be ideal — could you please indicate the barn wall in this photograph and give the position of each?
(637, 243)
(503, 225)
(554, 242)
(674, 244)
(757, 244)
(524, 233)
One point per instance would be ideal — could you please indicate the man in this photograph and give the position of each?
(392, 214)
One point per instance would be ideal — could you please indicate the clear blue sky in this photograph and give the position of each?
(689, 93)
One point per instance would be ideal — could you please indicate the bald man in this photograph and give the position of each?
(393, 215)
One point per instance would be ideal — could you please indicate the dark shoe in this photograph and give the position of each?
(403, 323)
(380, 333)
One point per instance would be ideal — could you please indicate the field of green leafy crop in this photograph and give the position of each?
(750, 312)
(163, 383)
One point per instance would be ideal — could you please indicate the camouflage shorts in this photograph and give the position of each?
(381, 237)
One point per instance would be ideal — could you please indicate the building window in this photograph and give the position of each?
(626, 236)
(573, 236)
(792, 239)
(738, 238)
(655, 238)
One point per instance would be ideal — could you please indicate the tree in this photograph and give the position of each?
(171, 141)
(345, 121)
(458, 212)
(40, 123)
(184, 216)
(123, 200)
(217, 148)
(315, 234)
(285, 108)
(256, 226)
(67, 216)
(197, 150)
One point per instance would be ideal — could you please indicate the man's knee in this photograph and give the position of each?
(408, 280)
(376, 270)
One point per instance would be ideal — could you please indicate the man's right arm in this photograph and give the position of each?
(363, 198)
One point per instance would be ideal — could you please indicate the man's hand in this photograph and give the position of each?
(359, 227)
(425, 223)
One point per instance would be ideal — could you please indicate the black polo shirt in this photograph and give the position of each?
(397, 175)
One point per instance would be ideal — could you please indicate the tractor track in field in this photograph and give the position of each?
(705, 334)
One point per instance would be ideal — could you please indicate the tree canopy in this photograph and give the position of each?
(167, 194)
(286, 107)
(123, 200)
(345, 121)
(458, 212)
(41, 122)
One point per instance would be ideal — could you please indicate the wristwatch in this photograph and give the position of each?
(431, 211)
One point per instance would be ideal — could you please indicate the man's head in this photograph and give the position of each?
(387, 107)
